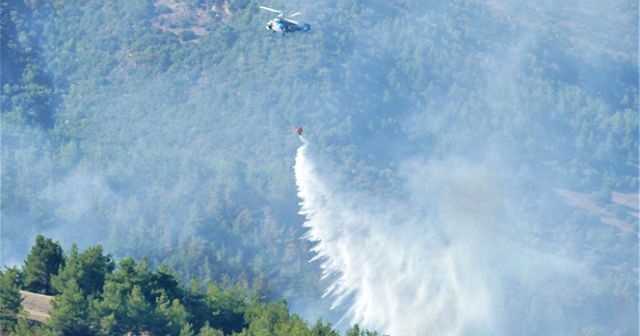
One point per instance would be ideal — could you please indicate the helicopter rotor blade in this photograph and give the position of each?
(270, 9)
(294, 14)
(292, 21)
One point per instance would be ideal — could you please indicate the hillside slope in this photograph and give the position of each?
(173, 120)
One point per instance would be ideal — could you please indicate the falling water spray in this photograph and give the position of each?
(400, 266)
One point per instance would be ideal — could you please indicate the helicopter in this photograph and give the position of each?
(284, 24)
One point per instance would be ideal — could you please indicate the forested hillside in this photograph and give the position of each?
(165, 129)
(94, 297)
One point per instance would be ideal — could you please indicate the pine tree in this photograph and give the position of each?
(195, 300)
(321, 329)
(26, 328)
(206, 330)
(173, 314)
(357, 331)
(21, 328)
(96, 266)
(10, 283)
(228, 307)
(88, 269)
(140, 314)
(44, 261)
(354, 331)
(121, 299)
(187, 330)
(111, 309)
(72, 270)
(70, 311)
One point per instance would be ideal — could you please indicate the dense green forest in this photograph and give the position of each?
(221, 219)
(164, 129)
(93, 296)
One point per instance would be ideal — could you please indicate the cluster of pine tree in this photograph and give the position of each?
(94, 296)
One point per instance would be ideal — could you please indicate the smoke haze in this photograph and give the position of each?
(444, 260)
(472, 165)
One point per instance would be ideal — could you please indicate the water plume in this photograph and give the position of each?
(395, 264)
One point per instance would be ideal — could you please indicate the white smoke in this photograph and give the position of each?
(428, 265)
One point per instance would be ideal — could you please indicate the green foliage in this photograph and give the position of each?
(136, 300)
(26, 328)
(70, 311)
(22, 328)
(27, 93)
(11, 280)
(174, 316)
(123, 307)
(30, 328)
(183, 141)
(138, 312)
(88, 269)
(96, 266)
(43, 262)
(356, 330)
(272, 319)
(187, 330)
(227, 307)
(321, 329)
(207, 330)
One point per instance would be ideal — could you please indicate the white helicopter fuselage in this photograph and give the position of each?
(283, 24)
(277, 25)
